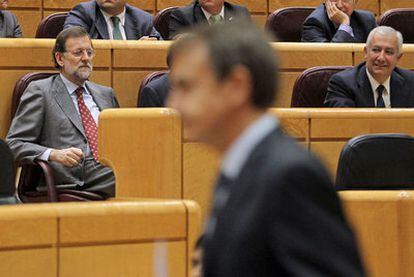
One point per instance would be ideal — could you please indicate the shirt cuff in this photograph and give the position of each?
(347, 29)
(45, 155)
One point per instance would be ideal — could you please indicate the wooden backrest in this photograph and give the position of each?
(112, 238)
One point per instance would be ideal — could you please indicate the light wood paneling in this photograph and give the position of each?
(312, 54)
(146, 259)
(20, 228)
(392, 4)
(376, 218)
(162, 4)
(133, 161)
(253, 5)
(200, 166)
(147, 5)
(33, 263)
(328, 152)
(287, 81)
(277, 4)
(28, 19)
(126, 85)
(146, 54)
(354, 126)
(122, 222)
(25, 4)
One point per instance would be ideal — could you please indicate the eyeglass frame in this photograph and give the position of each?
(80, 52)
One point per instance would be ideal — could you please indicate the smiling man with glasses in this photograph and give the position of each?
(338, 21)
(57, 118)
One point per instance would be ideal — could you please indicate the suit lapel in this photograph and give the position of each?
(100, 101)
(398, 96)
(100, 24)
(65, 102)
(228, 12)
(365, 88)
(199, 16)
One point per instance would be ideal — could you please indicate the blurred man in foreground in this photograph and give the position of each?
(275, 211)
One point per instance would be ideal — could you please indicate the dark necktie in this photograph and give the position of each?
(221, 195)
(89, 125)
(215, 19)
(116, 33)
(380, 100)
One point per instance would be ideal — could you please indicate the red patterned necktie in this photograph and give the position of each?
(89, 125)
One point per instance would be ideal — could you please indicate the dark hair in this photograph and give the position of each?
(63, 36)
(237, 43)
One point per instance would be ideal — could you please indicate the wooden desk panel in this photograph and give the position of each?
(124, 139)
(329, 153)
(34, 263)
(376, 217)
(200, 166)
(126, 85)
(24, 4)
(21, 229)
(28, 19)
(145, 54)
(391, 4)
(148, 5)
(143, 259)
(312, 54)
(287, 81)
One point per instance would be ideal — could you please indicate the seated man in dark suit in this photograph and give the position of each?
(112, 19)
(338, 21)
(57, 118)
(9, 26)
(377, 82)
(275, 211)
(203, 12)
(155, 92)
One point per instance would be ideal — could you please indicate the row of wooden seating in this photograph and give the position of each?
(30, 13)
(123, 64)
(153, 158)
(116, 238)
(285, 24)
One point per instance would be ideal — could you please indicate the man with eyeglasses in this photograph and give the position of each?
(377, 82)
(57, 118)
(338, 21)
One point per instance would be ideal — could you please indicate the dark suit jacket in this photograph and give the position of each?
(47, 118)
(351, 88)
(88, 15)
(318, 28)
(155, 92)
(282, 218)
(9, 26)
(185, 17)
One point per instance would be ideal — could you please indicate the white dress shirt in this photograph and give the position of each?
(110, 25)
(208, 15)
(89, 102)
(385, 94)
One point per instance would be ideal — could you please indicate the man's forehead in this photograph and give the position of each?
(78, 40)
(387, 41)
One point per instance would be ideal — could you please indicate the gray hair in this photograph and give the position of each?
(386, 31)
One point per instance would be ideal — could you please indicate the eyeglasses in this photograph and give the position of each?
(79, 53)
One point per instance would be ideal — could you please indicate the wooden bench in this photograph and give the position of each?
(113, 238)
(384, 225)
(151, 156)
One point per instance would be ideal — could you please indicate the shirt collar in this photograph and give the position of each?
(207, 14)
(71, 86)
(374, 83)
(238, 153)
(121, 16)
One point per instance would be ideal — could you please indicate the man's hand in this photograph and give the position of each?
(336, 15)
(69, 157)
(148, 38)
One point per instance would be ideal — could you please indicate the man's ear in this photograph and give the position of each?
(58, 57)
(239, 86)
(365, 52)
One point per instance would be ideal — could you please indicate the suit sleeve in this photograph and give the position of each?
(177, 23)
(76, 17)
(115, 103)
(309, 233)
(25, 131)
(339, 94)
(17, 32)
(149, 98)
(314, 31)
